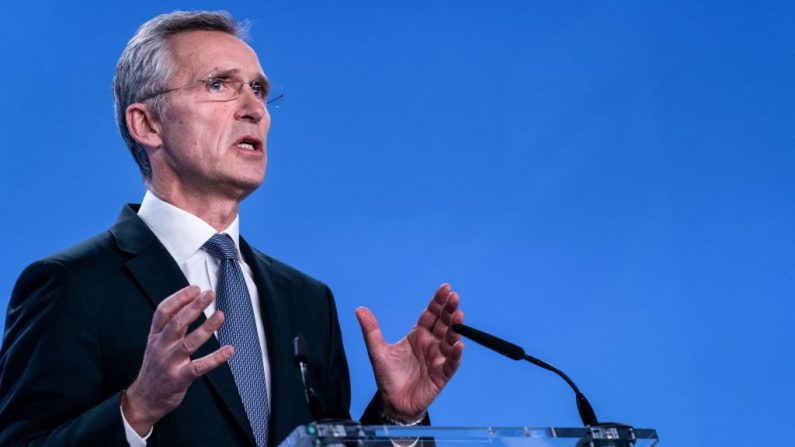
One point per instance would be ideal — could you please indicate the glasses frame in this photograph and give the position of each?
(275, 101)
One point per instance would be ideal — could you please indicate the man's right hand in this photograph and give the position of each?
(167, 370)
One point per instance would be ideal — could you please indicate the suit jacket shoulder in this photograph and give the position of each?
(53, 387)
(76, 331)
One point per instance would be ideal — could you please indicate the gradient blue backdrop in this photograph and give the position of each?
(607, 183)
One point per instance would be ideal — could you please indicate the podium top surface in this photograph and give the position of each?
(317, 435)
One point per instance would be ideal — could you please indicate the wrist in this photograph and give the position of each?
(135, 413)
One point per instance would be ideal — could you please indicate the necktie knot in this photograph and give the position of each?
(221, 247)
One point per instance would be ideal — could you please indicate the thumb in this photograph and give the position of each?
(373, 337)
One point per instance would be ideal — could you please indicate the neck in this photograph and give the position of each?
(218, 211)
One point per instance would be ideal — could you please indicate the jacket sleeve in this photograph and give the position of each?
(51, 371)
(337, 383)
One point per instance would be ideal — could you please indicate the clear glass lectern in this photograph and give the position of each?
(348, 435)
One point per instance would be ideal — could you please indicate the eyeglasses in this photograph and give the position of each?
(226, 88)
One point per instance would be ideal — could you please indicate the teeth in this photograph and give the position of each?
(245, 145)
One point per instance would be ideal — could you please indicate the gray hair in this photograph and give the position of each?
(145, 66)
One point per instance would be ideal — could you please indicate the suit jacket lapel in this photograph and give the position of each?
(159, 276)
(277, 304)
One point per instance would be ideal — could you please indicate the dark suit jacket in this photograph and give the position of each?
(76, 332)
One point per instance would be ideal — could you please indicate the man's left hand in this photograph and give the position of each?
(412, 372)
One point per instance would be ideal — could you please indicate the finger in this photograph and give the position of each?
(373, 338)
(209, 362)
(453, 361)
(193, 341)
(431, 313)
(171, 305)
(451, 337)
(449, 309)
(176, 328)
(446, 316)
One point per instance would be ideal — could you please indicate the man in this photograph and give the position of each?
(169, 329)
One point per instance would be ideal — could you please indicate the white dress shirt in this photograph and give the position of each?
(183, 235)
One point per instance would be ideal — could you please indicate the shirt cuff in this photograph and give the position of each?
(133, 438)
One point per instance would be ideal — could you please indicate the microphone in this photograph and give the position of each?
(301, 358)
(515, 352)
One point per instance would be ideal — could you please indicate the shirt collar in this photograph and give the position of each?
(182, 233)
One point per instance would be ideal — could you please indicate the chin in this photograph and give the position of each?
(246, 186)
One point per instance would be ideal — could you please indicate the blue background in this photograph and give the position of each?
(609, 184)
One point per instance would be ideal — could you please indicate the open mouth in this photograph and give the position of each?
(249, 143)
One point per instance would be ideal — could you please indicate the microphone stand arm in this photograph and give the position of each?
(584, 407)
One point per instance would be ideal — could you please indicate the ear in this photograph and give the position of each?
(143, 126)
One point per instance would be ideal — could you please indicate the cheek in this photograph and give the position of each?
(201, 132)
(267, 120)
(266, 125)
(179, 126)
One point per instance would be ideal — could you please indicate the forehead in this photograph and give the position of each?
(203, 52)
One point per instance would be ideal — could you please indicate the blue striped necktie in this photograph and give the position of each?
(240, 331)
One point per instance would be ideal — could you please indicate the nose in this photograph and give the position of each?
(250, 107)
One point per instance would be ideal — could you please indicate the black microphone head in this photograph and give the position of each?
(300, 353)
(497, 344)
